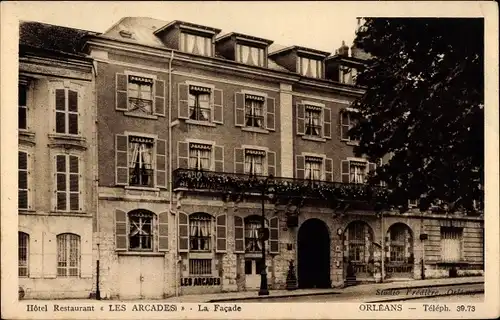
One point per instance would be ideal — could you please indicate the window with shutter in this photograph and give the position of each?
(67, 183)
(140, 232)
(163, 231)
(200, 232)
(66, 110)
(221, 233)
(451, 244)
(312, 120)
(200, 156)
(239, 237)
(254, 161)
(140, 94)
(23, 180)
(121, 230)
(313, 168)
(183, 232)
(254, 111)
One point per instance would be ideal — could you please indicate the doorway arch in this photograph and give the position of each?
(313, 253)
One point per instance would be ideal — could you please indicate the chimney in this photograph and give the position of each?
(343, 50)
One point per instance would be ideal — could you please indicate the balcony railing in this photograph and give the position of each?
(233, 183)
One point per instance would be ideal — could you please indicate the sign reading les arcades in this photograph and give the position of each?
(202, 281)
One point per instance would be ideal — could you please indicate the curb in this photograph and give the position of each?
(429, 296)
(340, 292)
(274, 297)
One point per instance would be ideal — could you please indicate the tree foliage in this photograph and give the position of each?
(424, 107)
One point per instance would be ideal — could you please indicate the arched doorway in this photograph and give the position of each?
(313, 248)
(358, 249)
(399, 259)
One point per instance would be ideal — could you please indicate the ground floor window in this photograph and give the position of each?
(451, 244)
(68, 255)
(23, 246)
(141, 230)
(200, 266)
(200, 231)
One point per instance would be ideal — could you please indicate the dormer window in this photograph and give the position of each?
(196, 44)
(250, 55)
(347, 75)
(310, 67)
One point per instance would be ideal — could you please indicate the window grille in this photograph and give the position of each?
(23, 251)
(68, 255)
(200, 266)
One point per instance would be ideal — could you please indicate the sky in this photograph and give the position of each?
(317, 25)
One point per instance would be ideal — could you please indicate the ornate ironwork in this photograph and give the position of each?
(238, 185)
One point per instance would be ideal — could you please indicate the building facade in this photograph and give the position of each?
(56, 163)
(200, 133)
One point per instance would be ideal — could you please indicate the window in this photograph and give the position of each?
(66, 111)
(254, 111)
(400, 243)
(199, 103)
(23, 180)
(196, 44)
(200, 266)
(254, 161)
(200, 156)
(347, 75)
(23, 107)
(140, 94)
(200, 232)
(252, 241)
(347, 122)
(140, 230)
(141, 161)
(357, 172)
(67, 183)
(359, 236)
(313, 168)
(451, 244)
(311, 67)
(250, 55)
(68, 255)
(313, 121)
(23, 245)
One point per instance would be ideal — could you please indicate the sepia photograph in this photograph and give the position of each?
(224, 160)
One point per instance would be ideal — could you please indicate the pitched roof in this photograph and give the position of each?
(141, 30)
(51, 37)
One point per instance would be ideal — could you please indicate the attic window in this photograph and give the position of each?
(126, 34)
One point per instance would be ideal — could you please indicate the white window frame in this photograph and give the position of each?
(261, 55)
(358, 160)
(206, 142)
(319, 156)
(208, 43)
(67, 245)
(66, 85)
(67, 173)
(153, 160)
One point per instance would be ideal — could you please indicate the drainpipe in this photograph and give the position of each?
(95, 186)
(170, 162)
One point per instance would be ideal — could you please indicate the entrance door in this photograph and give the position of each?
(313, 246)
(141, 277)
(252, 273)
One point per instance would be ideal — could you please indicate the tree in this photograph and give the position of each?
(423, 106)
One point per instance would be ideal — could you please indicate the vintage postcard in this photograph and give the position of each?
(244, 160)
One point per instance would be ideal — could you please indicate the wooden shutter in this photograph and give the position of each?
(300, 165)
(121, 99)
(163, 231)
(271, 163)
(271, 114)
(301, 114)
(239, 160)
(23, 182)
(120, 230)
(218, 158)
(274, 235)
(218, 106)
(74, 184)
(182, 155)
(161, 163)
(328, 169)
(344, 125)
(121, 159)
(73, 117)
(60, 192)
(239, 235)
(344, 171)
(159, 98)
(239, 109)
(221, 233)
(183, 97)
(183, 232)
(60, 97)
(327, 123)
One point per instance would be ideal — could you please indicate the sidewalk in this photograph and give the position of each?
(362, 289)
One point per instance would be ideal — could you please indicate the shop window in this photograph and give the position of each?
(68, 255)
